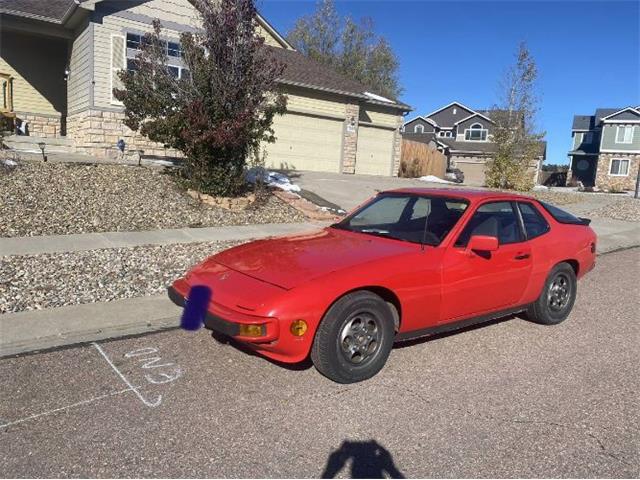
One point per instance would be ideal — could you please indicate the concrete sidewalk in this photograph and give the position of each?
(54, 327)
(92, 241)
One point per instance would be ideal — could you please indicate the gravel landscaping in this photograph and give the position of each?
(35, 282)
(58, 199)
(625, 208)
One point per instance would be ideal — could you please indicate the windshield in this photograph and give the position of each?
(407, 217)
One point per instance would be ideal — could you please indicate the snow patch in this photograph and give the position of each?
(434, 179)
(271, 179)
(373, 96)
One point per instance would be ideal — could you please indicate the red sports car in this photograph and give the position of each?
(405, 264)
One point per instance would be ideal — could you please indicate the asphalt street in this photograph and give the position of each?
(509, 399)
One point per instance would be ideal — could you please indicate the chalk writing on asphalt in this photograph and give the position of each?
(159, 372)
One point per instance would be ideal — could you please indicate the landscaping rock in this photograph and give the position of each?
(55, 198)
(34, 282)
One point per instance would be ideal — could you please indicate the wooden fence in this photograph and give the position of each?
(419, 159)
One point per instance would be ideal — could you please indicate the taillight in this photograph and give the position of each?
(593, 247)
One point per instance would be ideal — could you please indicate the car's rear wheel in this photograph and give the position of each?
(557, 298)
(354, 338)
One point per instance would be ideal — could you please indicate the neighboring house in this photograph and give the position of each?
(63, 57)
(464, 135)
(605, 150)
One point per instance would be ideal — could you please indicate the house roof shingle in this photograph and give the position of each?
(306, 72)
(49, 10)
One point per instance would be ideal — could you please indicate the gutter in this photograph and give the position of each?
(360, 96)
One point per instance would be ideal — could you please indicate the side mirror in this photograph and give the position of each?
(482, 243)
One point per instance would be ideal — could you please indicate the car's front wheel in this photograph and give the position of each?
(557, 298)
(354, 339)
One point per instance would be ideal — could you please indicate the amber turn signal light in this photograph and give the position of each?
(298, 328)
(248, 330)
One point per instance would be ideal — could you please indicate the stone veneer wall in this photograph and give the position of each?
(605, 181)
(350, 139)
(47, 126)
(397, 148)
(96, 132)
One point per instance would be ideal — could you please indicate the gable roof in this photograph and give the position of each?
(634, 112)
(450, 105)
(302, 71)
(583, 122)
(58, 11)
(420, 117)
(475, 114)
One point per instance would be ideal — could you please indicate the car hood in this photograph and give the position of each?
(290, 261)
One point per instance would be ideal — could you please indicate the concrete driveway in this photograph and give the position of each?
(509, 399)
(349, 191)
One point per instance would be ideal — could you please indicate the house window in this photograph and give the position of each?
(619, 167)
(445, 133)
(134, 41)
(132, 65)
(418, 129)
(624, 134)
(476, 133)
(173, 49)
(587, 137)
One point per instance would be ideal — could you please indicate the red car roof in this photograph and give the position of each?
(467, 193)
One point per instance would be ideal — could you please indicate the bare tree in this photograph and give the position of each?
(518, 144)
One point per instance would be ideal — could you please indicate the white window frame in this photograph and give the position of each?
(445, 134)
(475, 129)
(626, 129)
(415, 129)
(619, 160)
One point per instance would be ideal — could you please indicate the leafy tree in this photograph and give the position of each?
(218, 112)
(350, 47)
(517, 142)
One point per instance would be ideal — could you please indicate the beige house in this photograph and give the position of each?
(59, 63)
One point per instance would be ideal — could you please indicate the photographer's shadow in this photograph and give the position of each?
(368, 460)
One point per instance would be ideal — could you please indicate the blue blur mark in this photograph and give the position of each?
(195, 308)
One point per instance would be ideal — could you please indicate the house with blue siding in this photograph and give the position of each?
(605, 151)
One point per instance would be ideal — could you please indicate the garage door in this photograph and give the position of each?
(375, 147)
(473, 173)
(305, 143)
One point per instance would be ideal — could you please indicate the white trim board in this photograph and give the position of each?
(451, 104)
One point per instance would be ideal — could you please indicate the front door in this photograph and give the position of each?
(475, 283)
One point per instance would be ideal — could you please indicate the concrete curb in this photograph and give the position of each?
(24, 332)
(91, 241)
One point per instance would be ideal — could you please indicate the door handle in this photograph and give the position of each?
(522, 256)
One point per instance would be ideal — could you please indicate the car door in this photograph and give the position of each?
(476, 283)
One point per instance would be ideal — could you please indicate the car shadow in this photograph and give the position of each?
(368, 459)
(224, 340)
(307, 363)
(438, 336)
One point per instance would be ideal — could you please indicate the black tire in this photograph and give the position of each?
(354, 338)
(557, 297)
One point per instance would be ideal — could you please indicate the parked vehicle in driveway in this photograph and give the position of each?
(407, 263)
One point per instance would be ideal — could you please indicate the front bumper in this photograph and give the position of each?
(231, 328)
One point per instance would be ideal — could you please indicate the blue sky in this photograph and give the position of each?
(588, 52)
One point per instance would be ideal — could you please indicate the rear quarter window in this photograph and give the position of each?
(560, 215)
(534, 223)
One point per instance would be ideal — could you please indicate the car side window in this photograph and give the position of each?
(534, 223)
(495, 219)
